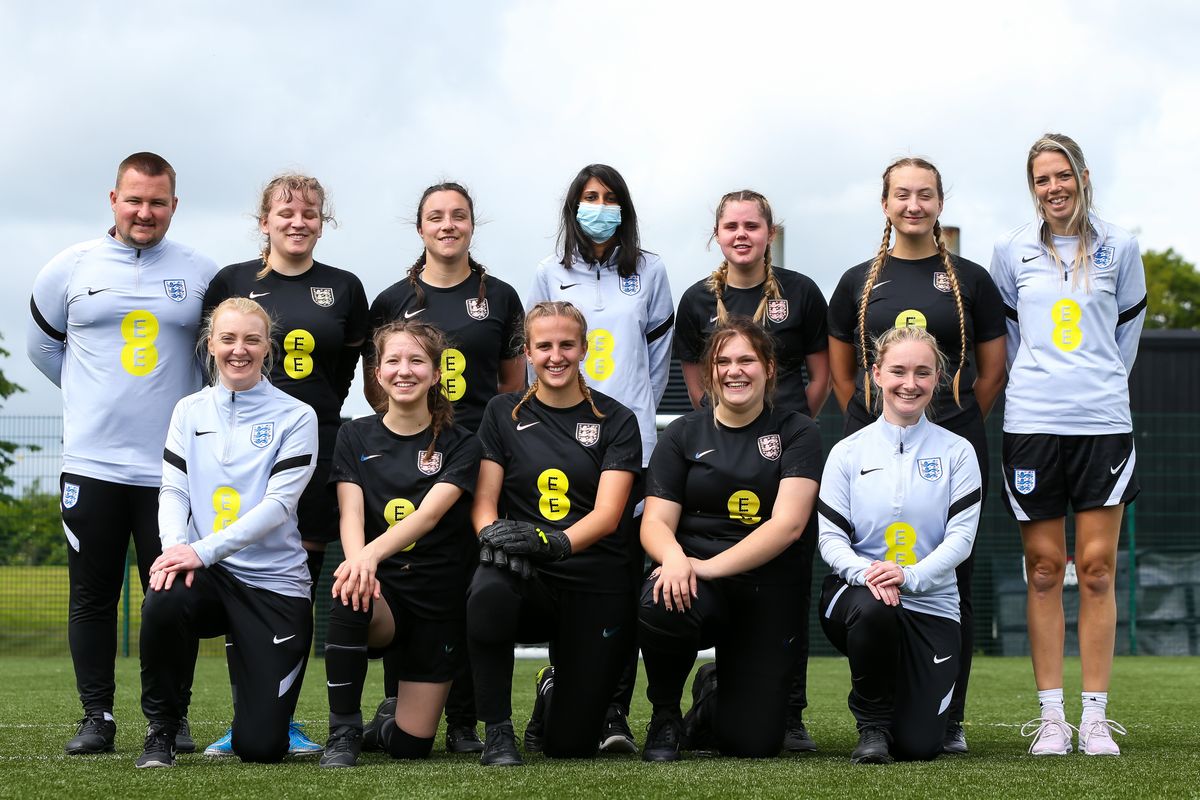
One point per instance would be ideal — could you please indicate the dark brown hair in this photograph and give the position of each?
(433, 342)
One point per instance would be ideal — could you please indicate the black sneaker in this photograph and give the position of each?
(159, 749)
(874, 744)
(370, 737)
(698, 727)
(616, 737)
(796, 738)
(462, 739)
(955, 741)
(663, 736)
(343, 747)
(500, 748)
(184, 743)
(535, 729)
(94, 735)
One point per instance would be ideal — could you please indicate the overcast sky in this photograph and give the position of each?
(689, 100)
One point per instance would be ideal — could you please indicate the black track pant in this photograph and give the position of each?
(902, 666)
(589, 632)
(267, 638)
(755, 629)
(98, 518)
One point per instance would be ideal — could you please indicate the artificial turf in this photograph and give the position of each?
(1152, 696)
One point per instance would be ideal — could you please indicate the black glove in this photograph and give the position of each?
(535, 543)
(494, 557)
(501, 530)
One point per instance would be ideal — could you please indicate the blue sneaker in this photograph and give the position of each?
(299, 744)
(222, 747)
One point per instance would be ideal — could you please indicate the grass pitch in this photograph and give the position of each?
(1152, 697)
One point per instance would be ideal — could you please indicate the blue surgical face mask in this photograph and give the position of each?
(598, 221)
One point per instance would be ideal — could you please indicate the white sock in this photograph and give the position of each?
(1094, 705)
(1051, 700)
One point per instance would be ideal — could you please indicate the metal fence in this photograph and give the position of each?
(1158, 576)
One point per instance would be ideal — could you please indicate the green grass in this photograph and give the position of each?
(1153, 697)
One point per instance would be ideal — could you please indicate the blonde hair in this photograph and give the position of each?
(720, 276)
(242, 305)
(556, 308)
(877, 265)
(908, 333)
(287, 186)
(1079, 225)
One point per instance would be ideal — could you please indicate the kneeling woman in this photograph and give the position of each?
(898, 511)
(408, 540)
(729, 492)
(238, 456)
(558, 466)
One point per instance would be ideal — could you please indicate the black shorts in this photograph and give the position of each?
(1043, 472)
(317, 511)
(425, 650)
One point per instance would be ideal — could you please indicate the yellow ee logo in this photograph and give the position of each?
(139, 329)
(910, 318)
(599, 364)
(1067, 334)
(743, 506)
(396, 510)
(298, 347)
(454, 382)
(227, 503)
(552, 485)
(901, 538)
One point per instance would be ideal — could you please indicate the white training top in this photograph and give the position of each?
(115, 327)
(1070, 349)
(907, 495)
(233, 470)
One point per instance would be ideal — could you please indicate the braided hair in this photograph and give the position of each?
(720, 276)
(433, 342)
(283, 188)
(419, 264)
(556, 308)
(880, 261)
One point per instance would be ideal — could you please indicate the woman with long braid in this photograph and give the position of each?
(790, 307)
(915, 281)
(482, 318)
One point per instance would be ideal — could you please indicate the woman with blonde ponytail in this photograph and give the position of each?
(790, 307)
(913, 280)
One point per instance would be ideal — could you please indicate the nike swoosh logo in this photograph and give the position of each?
(712, 319)
(277, 640)
(98, 291)
(565, 286)
(1031, 258)
(256, 295)
(411, 314)
(881, 283)
(610, 632)
(867, 471)
(937, 660)
(336, 685)
(204, 433)
(1117, 468)
(365, 457)
(704, 453)
(528, 425)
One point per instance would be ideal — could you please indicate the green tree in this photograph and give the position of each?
(1173, 290)
(7, 449)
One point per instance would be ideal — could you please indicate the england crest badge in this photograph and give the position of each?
(587, 433)
(477, 309)
(631, 284)
(930, 469)
(777, 310)
(262, 434)
(431, 465)
(1024, 480)
(769, 447)
(941, 282)
(176, 290)
(322, 296)
(70, 495)
(1103, 259)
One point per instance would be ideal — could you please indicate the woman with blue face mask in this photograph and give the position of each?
(600, 267)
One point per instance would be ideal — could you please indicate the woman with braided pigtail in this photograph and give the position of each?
(554, 493)
(915, 281)
(790, 307)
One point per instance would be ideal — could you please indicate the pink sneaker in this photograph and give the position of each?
(1095, 737)
(1051, 734)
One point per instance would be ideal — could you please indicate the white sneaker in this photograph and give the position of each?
(1095, 737)
(1051, 734)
